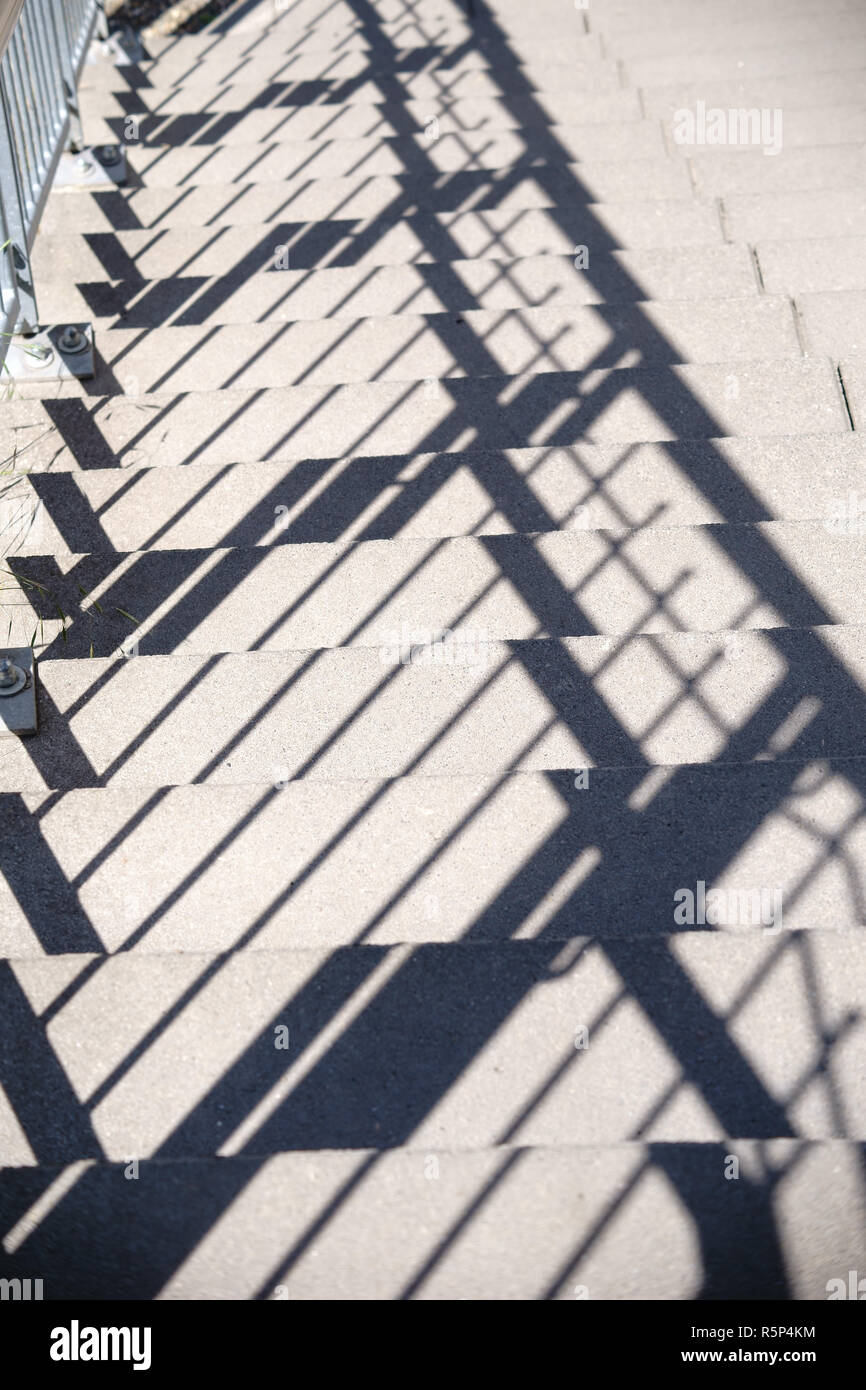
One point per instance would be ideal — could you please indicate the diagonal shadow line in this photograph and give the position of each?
(35, 1082)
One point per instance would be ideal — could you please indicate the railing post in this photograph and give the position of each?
(43, 47)
(15, 231)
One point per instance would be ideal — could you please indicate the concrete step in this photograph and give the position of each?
(353, 120)
(338, 15)
(721, 172)
(409, 348)
(377, 46)
(804, 267)
(828, 213)
(216, 232)
(834, 324)
(332, 594)
(803, 89)
(334, 30)
(635, 405)
(801, 127)
(702, 33)
(347, 292)
(512, 189)
(441, 1047)
(485, 707)
(205, 94)
(433, 149)
(322, 863)
(734, 60)
(331, 28)
(165, 166)
(509, 1223)
(264, 67)
(339, 25)
(303, 62)
(628, 16)
(588, 487)
(797, 128)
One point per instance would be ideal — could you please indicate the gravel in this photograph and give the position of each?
(149, 17)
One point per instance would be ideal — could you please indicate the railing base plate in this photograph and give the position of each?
(98, 166)
(48, 354)
(123, 48)
(18, 710)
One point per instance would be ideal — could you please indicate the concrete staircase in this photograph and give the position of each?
(341, 959)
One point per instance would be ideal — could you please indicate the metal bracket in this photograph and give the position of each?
(18, 691)
(99, 166)
(60, 353)
(123, 48)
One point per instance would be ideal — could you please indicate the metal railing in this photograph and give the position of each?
(42, 48)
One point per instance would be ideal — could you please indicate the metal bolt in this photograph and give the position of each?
(72, 339)
(109, 154)
(12, 678)
(83, 165)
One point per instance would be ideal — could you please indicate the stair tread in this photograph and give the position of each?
(333, 712)
(483, 1054)
(628, 405)
(472, 492)
(321, 863)
(557, 583)
(474, 344)
(545, 1223)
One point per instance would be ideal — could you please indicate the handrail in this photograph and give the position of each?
(42, 48)
(8, 20)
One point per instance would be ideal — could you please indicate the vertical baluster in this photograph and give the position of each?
(56, 24)
(22, 123)
(47, 102)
